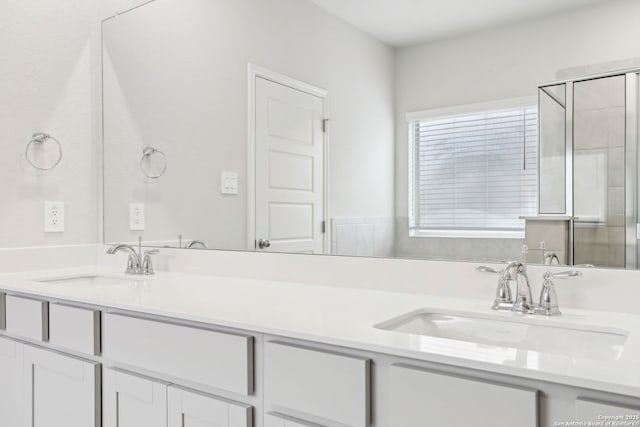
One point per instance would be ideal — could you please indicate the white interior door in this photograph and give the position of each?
(289, 169)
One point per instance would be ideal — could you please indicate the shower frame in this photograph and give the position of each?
(632, 183)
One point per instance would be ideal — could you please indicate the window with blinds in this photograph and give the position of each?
(474, 172)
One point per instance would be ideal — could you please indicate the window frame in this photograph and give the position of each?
(450, 112)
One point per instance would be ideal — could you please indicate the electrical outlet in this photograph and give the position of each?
(53, 217)
(228, 182)
(136, 216)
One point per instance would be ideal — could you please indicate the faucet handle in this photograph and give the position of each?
(548, 298)
(147, 265)
(485, 269)
(569, 274)
(503, 299)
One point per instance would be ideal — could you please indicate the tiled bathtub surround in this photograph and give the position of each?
(362, 236)
(452, 248)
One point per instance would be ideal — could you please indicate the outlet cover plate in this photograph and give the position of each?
(53, 217)
(136, 216)
(228, 182)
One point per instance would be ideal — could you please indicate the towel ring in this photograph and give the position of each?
(147, 155)
(39, 139)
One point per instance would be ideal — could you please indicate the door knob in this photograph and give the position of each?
(264, 243)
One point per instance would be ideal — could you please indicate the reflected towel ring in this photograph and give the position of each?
(147, 154)
(39, 139)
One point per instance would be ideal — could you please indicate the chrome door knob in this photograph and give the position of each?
(264, 243)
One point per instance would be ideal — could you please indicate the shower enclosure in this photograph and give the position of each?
(588, 166)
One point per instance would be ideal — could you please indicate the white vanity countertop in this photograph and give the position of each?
(346, 317)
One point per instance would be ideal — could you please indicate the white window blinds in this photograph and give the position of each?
(474, 171)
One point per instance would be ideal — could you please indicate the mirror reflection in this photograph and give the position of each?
(304, 127)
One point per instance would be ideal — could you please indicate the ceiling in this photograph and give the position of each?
(401, 23)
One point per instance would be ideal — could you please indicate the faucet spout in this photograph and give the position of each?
(197, 244)
(524, 300)
(133, 263)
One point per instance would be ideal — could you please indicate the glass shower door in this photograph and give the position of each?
(599, 166)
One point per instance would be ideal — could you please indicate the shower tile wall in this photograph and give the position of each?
(599, 171)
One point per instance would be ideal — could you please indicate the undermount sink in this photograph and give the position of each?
(88, 280)
(521, 333)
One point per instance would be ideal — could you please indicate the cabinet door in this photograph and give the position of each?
(189, 409)
(60, 390)
(133, 401)
(11, 383)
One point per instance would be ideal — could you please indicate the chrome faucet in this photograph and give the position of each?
(524, 300)
(197, 244)
(548, 299)
(549, 258)
(523, 303)
(135, 265)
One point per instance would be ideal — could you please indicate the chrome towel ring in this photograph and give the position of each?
(38, 140)
(146, 162)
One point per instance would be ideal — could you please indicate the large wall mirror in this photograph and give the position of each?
(324, 127)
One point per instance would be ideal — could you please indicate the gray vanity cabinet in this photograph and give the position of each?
(11, 382)
(193, 409)
(278, 420)
(424, 398)
(45, 388)
(317, 384)
(133, 401)
(60, 390)
(587, 410)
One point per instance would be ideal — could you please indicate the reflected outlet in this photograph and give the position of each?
(136, 216)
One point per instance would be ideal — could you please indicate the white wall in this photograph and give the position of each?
(181, 84)
(47, 71)
(501, 63)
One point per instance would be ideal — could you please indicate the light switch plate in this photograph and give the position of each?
(136, 216)
(228, 182)
(53, 217)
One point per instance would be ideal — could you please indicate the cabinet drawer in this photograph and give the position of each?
(27, 317)
(211, 358)
(75, 328)
(418, 395)
(327, 385)
(593, 411)
(191, 409)
(273, 419)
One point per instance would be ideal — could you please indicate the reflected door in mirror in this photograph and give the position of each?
(289, 164)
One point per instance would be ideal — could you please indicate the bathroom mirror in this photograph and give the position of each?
(322, 127)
